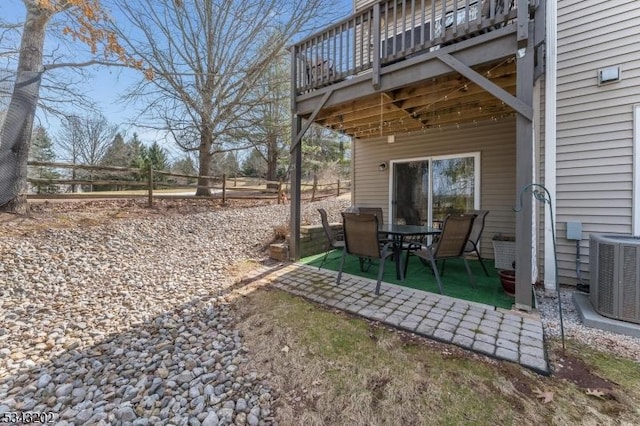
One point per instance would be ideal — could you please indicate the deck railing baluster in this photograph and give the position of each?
(454, 15)
(433, 20)
(466, 15)
(403, 16)
(412, 43)
(376, 26)
(395, 30)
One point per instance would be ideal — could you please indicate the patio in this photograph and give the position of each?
(496, 332)
(420, 277)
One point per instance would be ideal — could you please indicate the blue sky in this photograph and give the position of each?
(106, 85)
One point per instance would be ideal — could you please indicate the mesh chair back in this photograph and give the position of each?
(412, 217)
(361, 234)
(454, 236)
(476, 229)
(376, 211)
(325, 225)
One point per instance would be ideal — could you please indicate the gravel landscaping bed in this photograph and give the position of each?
(122, 322)
(601, 340)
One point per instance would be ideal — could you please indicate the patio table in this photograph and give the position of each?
(398, 233)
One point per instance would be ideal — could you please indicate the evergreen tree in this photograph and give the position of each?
(154, 156)
(157, 156)
(119, 153)
(42, 150)
(185, 166)
(135, 147)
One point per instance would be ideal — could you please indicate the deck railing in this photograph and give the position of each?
(389, 31)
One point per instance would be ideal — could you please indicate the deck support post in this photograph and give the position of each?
(524, 176)
(297, 132)
(296, 192)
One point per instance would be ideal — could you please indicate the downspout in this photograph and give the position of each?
(551, 68)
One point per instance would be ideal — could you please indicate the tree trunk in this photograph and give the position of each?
(204, 162)
(15, 135)
(272, 157)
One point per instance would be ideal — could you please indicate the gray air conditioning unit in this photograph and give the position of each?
(615, 276)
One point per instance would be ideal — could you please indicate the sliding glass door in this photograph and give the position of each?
(409, 202)
(426, 190)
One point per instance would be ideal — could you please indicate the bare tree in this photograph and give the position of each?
(206, 57)
(68, 141)
(269, 129)
(82, 19)
(86, 139)
(96, 134)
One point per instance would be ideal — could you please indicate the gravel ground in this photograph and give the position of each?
(122, 323)
(618, 344)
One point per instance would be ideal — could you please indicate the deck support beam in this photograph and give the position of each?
(297, 137)
(497, 91)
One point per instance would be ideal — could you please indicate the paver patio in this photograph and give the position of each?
(502, 334)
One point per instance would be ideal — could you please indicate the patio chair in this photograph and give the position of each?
(336, 242)
(451, 244)
(362, 240)
(476, 234)
(474, 238)
(376, 211)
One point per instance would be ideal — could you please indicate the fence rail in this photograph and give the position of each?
(151, 180)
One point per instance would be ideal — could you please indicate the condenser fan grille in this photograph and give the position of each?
(615, 278)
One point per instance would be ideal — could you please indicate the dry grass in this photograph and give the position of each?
(328, 368)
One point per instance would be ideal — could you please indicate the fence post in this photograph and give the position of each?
(73, 177)
(224, 188)
(315, 186)
(338, 187)
(150, 202)
(280, 198)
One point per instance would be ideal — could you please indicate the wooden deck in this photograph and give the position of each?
(381, 71)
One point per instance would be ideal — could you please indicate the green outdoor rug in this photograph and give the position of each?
(455, 281)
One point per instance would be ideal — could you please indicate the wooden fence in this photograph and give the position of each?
(149, 181)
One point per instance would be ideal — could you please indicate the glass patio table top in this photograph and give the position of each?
(407, 230)
(398, 232)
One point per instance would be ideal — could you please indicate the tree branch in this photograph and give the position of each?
(49, 67)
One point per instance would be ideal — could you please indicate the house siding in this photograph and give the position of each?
(594, 123)
(494, 140)
(361, 4)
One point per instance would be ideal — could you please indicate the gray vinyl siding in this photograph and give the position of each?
(595, 123)
(494, 140)
(361, 4)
